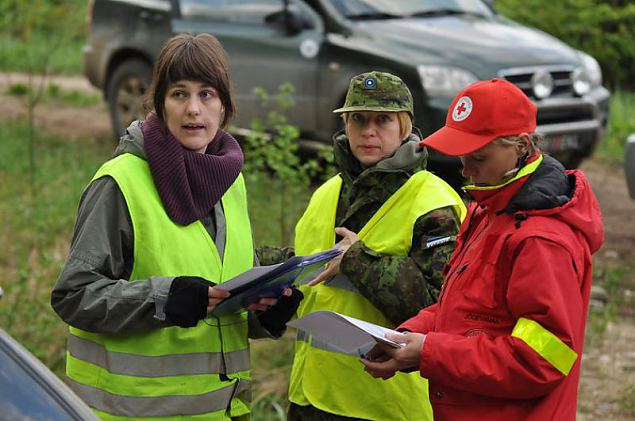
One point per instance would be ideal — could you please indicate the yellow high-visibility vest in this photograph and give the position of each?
(335, 382)
(168, 373)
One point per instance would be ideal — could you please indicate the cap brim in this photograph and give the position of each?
(453, 142)
(369, 108)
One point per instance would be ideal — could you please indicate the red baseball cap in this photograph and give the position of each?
(479, 114)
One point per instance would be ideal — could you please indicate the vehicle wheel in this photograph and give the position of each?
(126, 92)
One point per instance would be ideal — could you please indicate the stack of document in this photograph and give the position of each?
(269, 281)
(343, 334)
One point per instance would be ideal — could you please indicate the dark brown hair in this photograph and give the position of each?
(198, 58)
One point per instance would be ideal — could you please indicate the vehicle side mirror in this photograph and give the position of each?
(292, 18)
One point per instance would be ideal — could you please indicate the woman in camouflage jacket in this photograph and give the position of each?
(377, 154)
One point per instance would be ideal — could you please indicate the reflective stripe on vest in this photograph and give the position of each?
(152, 366)
(546, 344)
(335, 382)
(161, 406)
(172, 364)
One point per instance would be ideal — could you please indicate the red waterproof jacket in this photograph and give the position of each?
(504, 340)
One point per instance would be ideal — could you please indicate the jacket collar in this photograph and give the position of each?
(408, 158)
(541, 184)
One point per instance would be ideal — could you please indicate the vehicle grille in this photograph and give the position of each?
(521, 77)
(565, 113)
(570, 109)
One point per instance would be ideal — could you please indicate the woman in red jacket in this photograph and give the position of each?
(505, 339)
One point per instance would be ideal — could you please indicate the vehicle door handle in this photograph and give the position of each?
(150, 17)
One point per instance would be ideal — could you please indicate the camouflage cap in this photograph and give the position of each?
(377, 91)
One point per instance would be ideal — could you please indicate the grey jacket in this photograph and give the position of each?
(93, 291)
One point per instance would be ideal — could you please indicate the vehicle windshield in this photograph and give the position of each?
(390, 9)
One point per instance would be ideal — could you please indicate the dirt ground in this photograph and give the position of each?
(607, 386)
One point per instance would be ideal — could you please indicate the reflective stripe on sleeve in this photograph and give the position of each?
(546, 344)
(158, 366)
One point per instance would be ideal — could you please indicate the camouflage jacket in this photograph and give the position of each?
(399, 286)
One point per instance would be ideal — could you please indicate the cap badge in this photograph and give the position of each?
(370, 83)
(462, 109)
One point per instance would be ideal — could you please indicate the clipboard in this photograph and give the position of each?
(269, 281)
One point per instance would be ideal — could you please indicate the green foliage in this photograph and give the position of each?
(603, 29)
(35, 232)
(268, 408)
(40, 36)
(18, 89)
(611, 279)
(22, 56)
(621, 124)
(272, 160)
(271, 364)
(40, 28)
(55, 94)
(279, 186)
(627, 401)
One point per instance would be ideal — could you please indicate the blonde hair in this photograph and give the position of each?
(405, 122)
(534, 140)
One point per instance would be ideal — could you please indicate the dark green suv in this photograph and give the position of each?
(436, 46)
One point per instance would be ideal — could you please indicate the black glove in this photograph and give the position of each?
(274, 318)
(188, 299)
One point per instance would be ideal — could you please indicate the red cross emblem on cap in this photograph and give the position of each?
(462, 109)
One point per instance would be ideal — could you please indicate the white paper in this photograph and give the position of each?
(343, 333)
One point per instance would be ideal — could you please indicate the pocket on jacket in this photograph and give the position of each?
(478, 285)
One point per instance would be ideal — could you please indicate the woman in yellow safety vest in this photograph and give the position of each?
(159, 227)
(397, 223)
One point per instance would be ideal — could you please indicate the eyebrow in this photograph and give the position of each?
(183, 85)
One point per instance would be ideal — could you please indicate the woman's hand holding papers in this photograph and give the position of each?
(191, 298)
(384, 361)
(265, 303)
(333, 268)
(275, 316)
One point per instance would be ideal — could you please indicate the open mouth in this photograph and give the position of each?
(193, 126)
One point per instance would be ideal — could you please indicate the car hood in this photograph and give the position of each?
(483, 45)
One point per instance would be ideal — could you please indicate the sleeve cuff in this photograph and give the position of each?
(161, 296)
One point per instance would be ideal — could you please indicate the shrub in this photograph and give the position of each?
(600, 28)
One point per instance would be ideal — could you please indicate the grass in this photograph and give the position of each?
(612, 280)
(37, 210)
(20, 56)
(54, 94)
(627, 401)
(271, 363)
(620, 125)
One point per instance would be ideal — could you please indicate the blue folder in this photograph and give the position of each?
(269, 281)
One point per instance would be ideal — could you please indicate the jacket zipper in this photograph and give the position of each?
(458, 268)
(223, 371)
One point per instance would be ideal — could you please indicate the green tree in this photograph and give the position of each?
(37, 29)
(603, 29)
(272, 156)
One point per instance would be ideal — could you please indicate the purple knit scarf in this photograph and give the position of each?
(190, 183)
